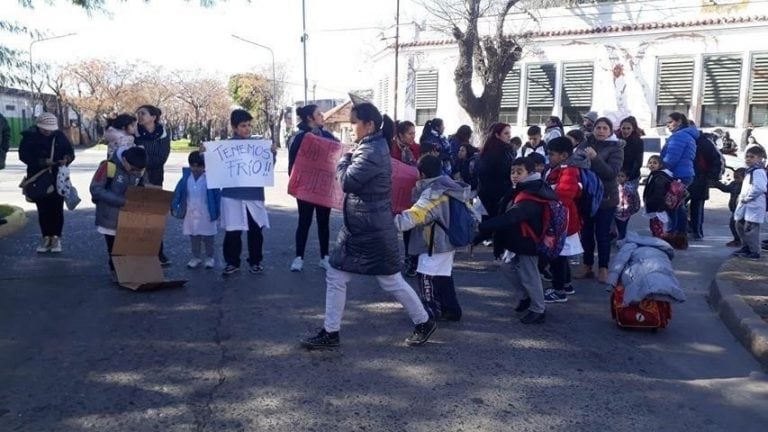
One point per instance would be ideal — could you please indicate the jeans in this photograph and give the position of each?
(50, 214)
(323, 215)
(336, 297)
(233, 244)
(597, 231)
(749, 233)
(678, 218)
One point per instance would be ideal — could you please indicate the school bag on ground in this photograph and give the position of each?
(648, 314)
(676, 195)
(462, 224)
(591, 194)
(554, 219)
(709, 162)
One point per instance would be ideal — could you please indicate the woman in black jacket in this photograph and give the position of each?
(312, 122)
(633, 149)
(44, 146)
(151, 135)
(493, 168)
(367, 243)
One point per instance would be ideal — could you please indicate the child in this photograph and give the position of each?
(465, 165)
(535, 144)
(430, 148)
(655, 194)
(521, 269)
(564, 177)
(120, 132)
(750, 212)
(242, 209)
(199, 207)
(734, 190)
(430, 241)
(629, 204)
(539, 166)
(108, 187)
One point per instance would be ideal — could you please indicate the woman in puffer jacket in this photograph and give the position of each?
(367, 243)
(677, 156)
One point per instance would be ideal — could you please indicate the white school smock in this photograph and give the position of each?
(197, 220)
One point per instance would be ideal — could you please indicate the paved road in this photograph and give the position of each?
(78, 354)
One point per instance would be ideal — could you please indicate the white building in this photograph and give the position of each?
(647, 58)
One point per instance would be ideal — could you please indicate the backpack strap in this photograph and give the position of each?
(525, 227)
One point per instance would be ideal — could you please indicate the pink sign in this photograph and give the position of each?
(313, 177)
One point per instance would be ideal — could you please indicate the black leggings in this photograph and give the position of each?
(233, 244)
(50, 214)
(323, 215)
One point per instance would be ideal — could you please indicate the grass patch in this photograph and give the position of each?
(5, 210)
(181, 146)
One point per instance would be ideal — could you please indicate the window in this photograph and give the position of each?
(426, 96)
(382, 95)
(510, 97)
(758, 90)
(10, 107)
(722, 80)
(541, 92)
(674, 88)
(577, 91)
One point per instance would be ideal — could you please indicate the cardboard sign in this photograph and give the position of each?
(140, 227)
(404, 178)
(239, 163)
(313, 176)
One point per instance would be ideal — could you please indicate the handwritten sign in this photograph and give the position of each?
(313, 177)
(239, 163)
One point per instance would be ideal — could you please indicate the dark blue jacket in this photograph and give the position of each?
(680, 151)
(295, 144)
(179, 203)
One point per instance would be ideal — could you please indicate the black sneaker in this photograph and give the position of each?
(230, 269)
(411, 264)
(552, 296)
(546, 275)
(421, 333)
(740, 252)
(523, 305)
(752, 256)
(533, 318)
(256, 269)
(449, 317)
(764, 247)
(323, 339)
(569, 290)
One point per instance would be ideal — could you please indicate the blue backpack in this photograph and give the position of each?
(461, 226)
(591, 194)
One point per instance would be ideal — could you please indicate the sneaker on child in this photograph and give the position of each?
(210, 263)
(421, 333)
(325, 263)
(533, 318)
(552, 296)
(323, 339)
(230, 269)
(569, 290)
(194, 263)
(256, 269)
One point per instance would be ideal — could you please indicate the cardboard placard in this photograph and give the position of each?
(239, 163)
(313, 176)
(404, 178)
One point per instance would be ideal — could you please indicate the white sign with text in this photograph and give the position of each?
(239, 163)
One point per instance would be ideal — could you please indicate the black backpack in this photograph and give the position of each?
(709, 162)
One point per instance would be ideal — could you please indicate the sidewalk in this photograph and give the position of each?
(740, 294)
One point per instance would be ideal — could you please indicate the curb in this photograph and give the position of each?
(16, 221)
(738, 316)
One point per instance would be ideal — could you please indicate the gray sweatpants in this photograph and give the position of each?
(197, 245)
(523, 272)
(749, 233)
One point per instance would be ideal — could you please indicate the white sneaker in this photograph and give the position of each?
(297, 265)
(325, 263)
(194, 263)
(45, 245)
(210, 263)
(56, 244)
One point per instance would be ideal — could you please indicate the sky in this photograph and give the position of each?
(178, 34)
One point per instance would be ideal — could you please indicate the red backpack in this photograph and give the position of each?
(554, 219)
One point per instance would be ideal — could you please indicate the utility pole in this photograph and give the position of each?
(397, 54)
(304, 42)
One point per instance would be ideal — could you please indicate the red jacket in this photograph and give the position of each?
(397, 153)
(565, 181)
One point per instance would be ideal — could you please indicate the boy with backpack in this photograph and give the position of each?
(750, 212)
(433, 221)
(108, 188)
(708, 167)
(564, 178)
(527, 224)
(733, 189)
(655, 194)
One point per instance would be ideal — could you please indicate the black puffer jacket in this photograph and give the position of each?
(607, 164)
(633, 156)
(157, 144)
(367, 243)
(35, 148)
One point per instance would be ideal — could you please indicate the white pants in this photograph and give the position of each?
(336, 297)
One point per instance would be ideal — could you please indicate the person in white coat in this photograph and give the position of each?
(750, 211)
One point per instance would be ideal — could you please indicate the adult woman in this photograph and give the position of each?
(493, 168)
(45, 147)
(433, 133)
(151, 135)
(404, 147)
(466, 165)
(606, 157)
(367, 242)
(633, 149)
(554, 129)
(463, 136)
(312, 122)
(677, 155)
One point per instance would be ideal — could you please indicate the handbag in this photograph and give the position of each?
(41, 184)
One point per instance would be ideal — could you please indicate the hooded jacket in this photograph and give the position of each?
(655, 192)
(565, 180)
(367, 242)
(157, 144)
(432, 206)
(117, 138)
(35, 148)
(607, 164)
(633, 156)
(295, 145)
(492, 170)
(108, 193)
(752, 205)
(679, 152)
(507, 226)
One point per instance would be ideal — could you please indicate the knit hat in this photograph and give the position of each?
(47, 121)
(592, 116)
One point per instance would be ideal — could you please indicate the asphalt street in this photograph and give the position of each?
(79, 354)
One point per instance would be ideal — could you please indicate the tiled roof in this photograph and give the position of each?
(614, 29)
